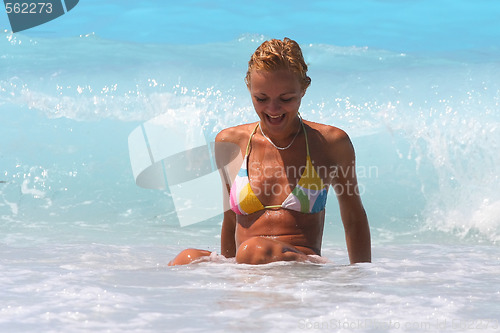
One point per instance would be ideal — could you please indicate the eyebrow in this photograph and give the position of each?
(283, 94)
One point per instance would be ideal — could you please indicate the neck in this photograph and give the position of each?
(285, 140)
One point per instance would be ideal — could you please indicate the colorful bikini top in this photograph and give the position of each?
(308, 196)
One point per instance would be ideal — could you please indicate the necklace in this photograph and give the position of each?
(281, 148)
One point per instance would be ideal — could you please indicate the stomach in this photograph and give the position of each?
(303, 231)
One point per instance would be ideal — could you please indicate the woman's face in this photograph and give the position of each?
(276, 97)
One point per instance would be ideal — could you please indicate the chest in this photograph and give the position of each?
(274, 174)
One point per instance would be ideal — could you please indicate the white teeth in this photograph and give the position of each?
(275, 117)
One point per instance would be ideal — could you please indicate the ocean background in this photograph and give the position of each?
(414, 83)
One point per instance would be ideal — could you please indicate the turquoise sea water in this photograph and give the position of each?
(414, 83)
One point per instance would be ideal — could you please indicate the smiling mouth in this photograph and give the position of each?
(274, 119)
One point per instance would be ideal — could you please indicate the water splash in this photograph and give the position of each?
(440, 114)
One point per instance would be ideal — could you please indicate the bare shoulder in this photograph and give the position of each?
(330, 134)
(237, 134)
(333, 140)
(230, 143)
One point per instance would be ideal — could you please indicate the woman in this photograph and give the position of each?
(278, 198)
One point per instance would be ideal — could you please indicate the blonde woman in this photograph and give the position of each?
(278, 197)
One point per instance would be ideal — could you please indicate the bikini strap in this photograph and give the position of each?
(305, 134)
(250, 139)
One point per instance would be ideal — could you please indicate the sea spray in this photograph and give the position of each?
(427, 125)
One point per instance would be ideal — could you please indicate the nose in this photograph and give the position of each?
(274, 107)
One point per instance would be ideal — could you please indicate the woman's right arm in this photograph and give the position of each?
(228, 243)
(225, 153)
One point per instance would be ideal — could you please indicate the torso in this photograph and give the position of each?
(304, 231)
(273, 174)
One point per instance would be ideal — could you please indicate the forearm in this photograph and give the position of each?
(358, 241)
(228, 242)
(228, 245)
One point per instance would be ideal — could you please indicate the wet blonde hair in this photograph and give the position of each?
(278, 54)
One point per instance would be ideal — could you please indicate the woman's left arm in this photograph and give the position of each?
(352, 212)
